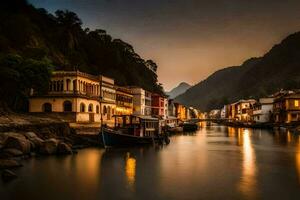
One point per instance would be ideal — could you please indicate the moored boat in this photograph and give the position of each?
(189, 126)
(132, 130)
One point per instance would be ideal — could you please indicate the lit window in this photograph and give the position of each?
(296, 103)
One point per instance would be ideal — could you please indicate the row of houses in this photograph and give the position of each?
(281, 107)
(79, 97)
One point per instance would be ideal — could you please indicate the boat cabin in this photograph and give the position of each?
(142, 126)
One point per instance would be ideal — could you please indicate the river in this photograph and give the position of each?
(217, 162)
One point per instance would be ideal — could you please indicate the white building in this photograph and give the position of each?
(225, 112)
(141, 101)
(166, 106)
(262, 110)
(77, 97)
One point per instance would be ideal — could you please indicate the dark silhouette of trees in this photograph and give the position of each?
(37, 36)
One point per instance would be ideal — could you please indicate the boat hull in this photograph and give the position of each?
(112, 138)
(190, 127)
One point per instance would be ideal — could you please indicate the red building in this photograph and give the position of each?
(158, 105)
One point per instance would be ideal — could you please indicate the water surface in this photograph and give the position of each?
(215, 163)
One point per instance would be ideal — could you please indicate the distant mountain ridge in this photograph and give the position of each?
(277, 69)
(181, 88)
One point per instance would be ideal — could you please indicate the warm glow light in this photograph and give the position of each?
(130, 169)
(298, 159)
(289, 137)
(231, 131)
(296, 103)
(248, 182)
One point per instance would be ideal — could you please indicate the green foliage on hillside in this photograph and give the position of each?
(17, 76)
(257, 77)
(38, 35)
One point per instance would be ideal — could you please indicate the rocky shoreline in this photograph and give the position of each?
(25, 136)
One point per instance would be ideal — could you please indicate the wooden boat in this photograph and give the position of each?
(189, 126)
(132, 130)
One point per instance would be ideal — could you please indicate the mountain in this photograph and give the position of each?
(181, 88)
(31, 35)
(256, 77)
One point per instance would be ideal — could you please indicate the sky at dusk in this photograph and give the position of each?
(189, 39)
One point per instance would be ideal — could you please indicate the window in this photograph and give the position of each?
(82, 107)
(68, 84)
(97, 109)
(296, 103)
(67, 106)
(47, 107)
(91, 108)
(104, 110)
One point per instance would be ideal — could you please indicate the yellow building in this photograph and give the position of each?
(124, 101)
(76, 97)
(287, 108)
(242, 110)
(181, 112)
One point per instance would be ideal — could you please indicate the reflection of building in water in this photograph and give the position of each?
(130, 169)
(298, 158)
(231, 131)
(248, 179)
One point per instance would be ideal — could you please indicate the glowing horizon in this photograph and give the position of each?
(189, 40)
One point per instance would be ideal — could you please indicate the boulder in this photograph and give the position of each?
(17, 142)
(30, 135)
(8, 175)
(36, 143)
(9, 163)
(49, 147)
(64, 148)
(13, 152)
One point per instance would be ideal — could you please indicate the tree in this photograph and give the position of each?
(20, 75)
(68, 19)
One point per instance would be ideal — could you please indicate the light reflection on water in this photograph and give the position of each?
(130, 168)
(214, 163)
(248, 179)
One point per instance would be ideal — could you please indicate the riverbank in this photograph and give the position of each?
(23, 136)
(293, 127)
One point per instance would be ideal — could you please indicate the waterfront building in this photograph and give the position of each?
(233, 111)
(225, 112)
(262, 110)
(158, 105)
(180, 111)
(171, 108)
(107, 99)
(192, 113)
(124, 101)
(286, 108)
(241, 110)
(166, 107)
(73, 96)
(214, 114)
(141, 101)
(244, 110)
(148, 103)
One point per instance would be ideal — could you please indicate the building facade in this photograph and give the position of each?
(73, 94)
(107, 99)
(180, 111)
(262, 110)
(141, 101)
(286, 109)
(242, 110)
(225, 112)
(124, 101)
(159, 105)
